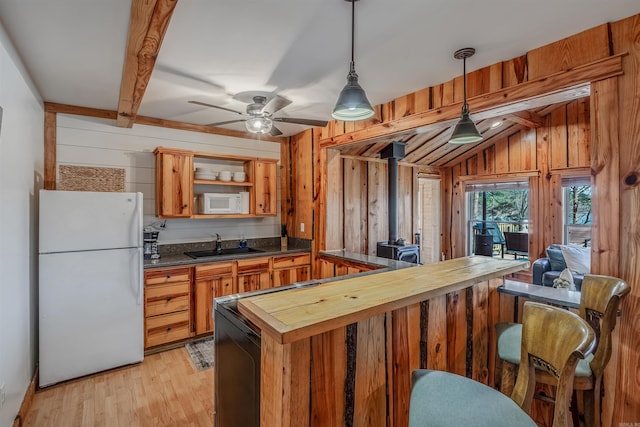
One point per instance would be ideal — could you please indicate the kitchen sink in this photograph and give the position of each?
(229, 251)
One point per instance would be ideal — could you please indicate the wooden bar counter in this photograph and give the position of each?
(341, 353)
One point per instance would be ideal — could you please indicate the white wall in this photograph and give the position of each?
(21, 169)
(85, 141)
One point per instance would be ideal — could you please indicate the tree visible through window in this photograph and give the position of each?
(501, 205)
(577, 211)
(578, 204)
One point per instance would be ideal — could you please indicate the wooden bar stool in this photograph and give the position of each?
(551, 337)
(599, 301)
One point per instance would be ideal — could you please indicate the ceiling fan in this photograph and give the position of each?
(259, 116)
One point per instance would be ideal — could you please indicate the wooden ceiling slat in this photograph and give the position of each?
(147, 26)
(490, 139)
(454, 151)
(429, 146)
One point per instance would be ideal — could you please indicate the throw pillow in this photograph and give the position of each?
(556, 260)
(565, 280)
(578, 258)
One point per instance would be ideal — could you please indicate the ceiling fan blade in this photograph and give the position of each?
(308, 122)
(204, 104)
(225, 123)
(276, 103)
(275, 131)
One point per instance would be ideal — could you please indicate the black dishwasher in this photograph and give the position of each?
(237, 361)
(237, 368)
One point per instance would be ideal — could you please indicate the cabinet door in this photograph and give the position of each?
(265, 187)
(174, 185)
(254, 281)
(287, 276)
(224, 286)
(204, 301)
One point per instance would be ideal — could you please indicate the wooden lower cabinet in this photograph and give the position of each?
(179, 300)
(254, 274)
(291, 269)
(211, 281)
(167, 303)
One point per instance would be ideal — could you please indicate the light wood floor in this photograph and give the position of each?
(164, 390)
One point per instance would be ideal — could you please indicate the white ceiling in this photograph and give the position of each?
(214, 50)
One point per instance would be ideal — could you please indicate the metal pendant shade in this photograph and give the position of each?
(465, 131)
(352, 103)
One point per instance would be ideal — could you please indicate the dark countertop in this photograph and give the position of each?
(371, 260)
(181, 259)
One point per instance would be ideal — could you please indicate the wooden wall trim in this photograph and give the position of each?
(50, 131)
(80, 111)
(502, 177)
(151, 121)
(171, 124)
(147, 25)
(26, 401)
(576, 171)
(500, 102)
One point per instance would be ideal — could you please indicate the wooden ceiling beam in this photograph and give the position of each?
(52, 107)
(147, 25)
(527, 118)
(558, 87)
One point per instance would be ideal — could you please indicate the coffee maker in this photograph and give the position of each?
(151, 244)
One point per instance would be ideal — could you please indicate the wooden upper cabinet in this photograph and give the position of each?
(174, 183)
(266, 178)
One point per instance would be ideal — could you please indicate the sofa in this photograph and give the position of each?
(559, 257)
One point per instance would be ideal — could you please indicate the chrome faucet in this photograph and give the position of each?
(218, 243)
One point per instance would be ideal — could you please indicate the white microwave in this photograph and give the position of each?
(219, 203)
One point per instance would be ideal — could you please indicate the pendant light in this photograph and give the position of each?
(352, 103)
(465, 131)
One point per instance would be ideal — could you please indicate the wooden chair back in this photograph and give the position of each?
(553, 340)
(599, 302)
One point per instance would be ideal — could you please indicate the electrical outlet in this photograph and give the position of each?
(302, 227)
(2, 395)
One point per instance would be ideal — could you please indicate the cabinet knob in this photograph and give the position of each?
(168, 276)
(169, 299)
(168, 329)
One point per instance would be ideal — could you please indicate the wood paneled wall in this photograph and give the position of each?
(543, 155)
(611, 155)
(356, 201)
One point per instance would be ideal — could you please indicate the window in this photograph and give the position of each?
(498, 207)
(576, 192)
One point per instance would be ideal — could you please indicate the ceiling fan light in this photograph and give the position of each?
(352, 103)
(465, 131)
(259, 124)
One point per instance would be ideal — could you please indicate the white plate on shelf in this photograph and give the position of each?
(207, 176)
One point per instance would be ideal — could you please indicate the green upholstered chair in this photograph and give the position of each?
(551, 336)
(444, 399)
(599, 301)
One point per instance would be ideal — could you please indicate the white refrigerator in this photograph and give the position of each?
(90, 286)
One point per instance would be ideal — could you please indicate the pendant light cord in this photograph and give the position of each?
(352, 68)
(465, 106)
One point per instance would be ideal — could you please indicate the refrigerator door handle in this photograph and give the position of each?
(140, 276)
(140, 221)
